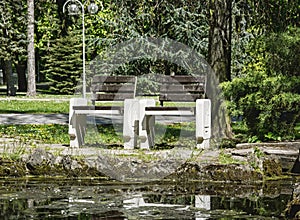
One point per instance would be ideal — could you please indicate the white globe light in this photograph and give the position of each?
(73, 9)
(93, 8)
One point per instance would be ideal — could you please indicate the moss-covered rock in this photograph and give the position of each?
(272, 167)
(9, 168)
(230, 172)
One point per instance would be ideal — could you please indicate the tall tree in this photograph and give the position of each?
(12, 39)
(31, 89)
(63, 64)
(219, 49)
(48, 28)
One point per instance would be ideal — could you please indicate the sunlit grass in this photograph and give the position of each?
(33, 106)
(167, 136)
(104, 135)
(111, 135)
(48, 134)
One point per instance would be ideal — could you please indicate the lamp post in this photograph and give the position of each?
(73, 9)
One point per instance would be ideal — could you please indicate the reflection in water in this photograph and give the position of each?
(99, 199)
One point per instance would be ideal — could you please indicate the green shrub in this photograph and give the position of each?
(266, 93)
(267, 104)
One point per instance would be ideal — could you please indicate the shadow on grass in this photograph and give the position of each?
(167, 136)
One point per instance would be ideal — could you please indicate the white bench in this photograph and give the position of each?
(112, 89)
(177, 89)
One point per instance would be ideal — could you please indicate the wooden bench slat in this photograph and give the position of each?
(90, 108)
(173, 97)
(113, 88)
(182, 79)
(112, 96)
(181, 88)
(169, 108)
(166, 88)
(170, 111)
(113, 79)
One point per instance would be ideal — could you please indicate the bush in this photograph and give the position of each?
(266, 95)
(266, 104)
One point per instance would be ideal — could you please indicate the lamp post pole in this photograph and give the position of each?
(83, 45)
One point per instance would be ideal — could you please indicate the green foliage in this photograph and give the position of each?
(265, 103)
(273, 15)
(63, 64)
(284, 53)
(267, 94)
(47, 25)
(13, 30)
(182, 21)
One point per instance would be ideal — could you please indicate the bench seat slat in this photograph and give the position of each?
(102, 110)
(120, 108)
(169, 108)
(174, 97)
(112, 96)
(171, 111)
(98, 112)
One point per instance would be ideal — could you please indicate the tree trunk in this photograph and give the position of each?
(219, 51)
(3, 71)
(11, 90)
(31, 88)
(21, 69)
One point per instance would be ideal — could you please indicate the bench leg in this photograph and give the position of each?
(146, 125)
(77, 123)
(130, 123)
(203, 123)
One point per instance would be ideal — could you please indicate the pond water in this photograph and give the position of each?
(58, 198)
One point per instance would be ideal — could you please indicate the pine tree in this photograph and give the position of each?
(63, 64)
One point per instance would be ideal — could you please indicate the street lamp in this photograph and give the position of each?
(73, 9)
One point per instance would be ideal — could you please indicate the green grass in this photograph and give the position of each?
(105, 135)
(168, 136)
(45, 103)
(109, 135)
(49, 134)
(33, 106)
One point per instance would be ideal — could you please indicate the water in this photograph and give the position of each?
(57, 198)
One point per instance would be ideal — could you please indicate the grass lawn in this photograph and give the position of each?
(167, 136)
(110, 135)
(58, 134)
(33, 106)
(39, 104)
(48, 134)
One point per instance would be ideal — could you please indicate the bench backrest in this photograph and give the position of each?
(181, 88)
(113, 88)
